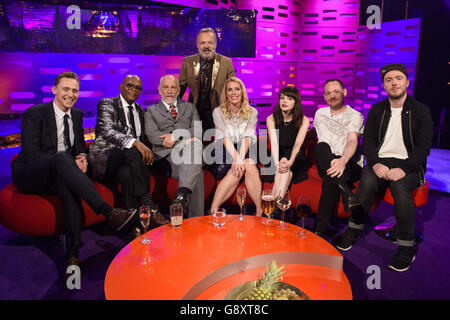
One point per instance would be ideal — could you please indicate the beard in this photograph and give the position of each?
(207, 55)
(396, 96)
(336, 103)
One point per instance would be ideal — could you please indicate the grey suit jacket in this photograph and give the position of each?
(159, 121)
(110, 132)
(189, 77)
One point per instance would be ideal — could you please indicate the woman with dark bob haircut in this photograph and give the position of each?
(287, 128)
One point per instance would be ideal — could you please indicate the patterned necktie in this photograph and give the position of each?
(66, 134)
(173, 111)
(132, 123)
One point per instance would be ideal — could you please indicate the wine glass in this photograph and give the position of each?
(284, 203)
(267, 205)
(303, 210)
(145, 214)
(241, 194)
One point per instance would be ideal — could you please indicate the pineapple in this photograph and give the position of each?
(267, 283)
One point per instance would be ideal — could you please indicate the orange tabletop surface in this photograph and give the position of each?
(201, 261)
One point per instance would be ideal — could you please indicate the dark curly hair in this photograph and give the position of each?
(297, 116)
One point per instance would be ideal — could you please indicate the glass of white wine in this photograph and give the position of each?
(144, 216)
(241, 194)
(283, 203)
(267, 205)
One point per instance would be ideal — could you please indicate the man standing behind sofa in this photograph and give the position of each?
(173, 128)
(53, 160)
(205, 74)
(119, 153)
(396, 142)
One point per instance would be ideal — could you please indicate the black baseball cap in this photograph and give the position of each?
(393, 66)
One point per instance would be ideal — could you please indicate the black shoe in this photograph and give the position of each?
(181, 199)
(348, 198)
(349, 237)
(322, 235)
(403, 258)
(157, 219)
(120, 217)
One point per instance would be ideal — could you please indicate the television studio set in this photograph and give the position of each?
(217, 151)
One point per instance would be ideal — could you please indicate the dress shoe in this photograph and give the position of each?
(348, 198)
(181, 199)
(321, 234)
(120, 217)
(157, 219)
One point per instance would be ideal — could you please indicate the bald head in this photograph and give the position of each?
(169, 88)
(131, 88)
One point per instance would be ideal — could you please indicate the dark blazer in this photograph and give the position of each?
(39, 136)
(110, 133)
(417, 130)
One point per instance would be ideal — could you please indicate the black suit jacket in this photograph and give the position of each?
(39, 136)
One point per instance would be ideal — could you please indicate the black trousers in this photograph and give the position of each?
(404, 208)
(59, 174)
(126, 167)
(330, 193)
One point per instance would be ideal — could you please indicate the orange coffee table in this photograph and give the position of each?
(200, 261)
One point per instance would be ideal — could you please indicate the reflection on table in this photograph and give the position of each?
(200, 261)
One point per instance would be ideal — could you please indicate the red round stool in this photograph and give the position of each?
(387, 230)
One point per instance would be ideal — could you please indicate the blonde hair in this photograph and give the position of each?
(245, 110)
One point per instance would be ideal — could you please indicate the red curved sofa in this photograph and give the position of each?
(41, 214)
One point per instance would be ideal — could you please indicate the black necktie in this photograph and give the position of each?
(133, 126)
(66, 134)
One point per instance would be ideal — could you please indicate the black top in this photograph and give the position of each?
(287, 134)
(417, 129)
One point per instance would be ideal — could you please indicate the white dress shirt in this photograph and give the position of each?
(59, 117)
(168, 105)
(137, 121)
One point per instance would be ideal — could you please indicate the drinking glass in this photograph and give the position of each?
(176, 215)
(241, 194)
(283, 203)
(303, 210)
(219, 216)
(267, 205)
(144, 216)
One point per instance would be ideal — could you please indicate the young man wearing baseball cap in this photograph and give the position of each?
(396, 142)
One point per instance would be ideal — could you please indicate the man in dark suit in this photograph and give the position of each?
(53, 160)
(205, 74)
(119, 153)
(173, 128)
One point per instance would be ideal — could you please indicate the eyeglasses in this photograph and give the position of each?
(132, 86)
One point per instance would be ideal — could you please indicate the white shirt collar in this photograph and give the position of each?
(168, 105)
(125, 103)
(59, 113)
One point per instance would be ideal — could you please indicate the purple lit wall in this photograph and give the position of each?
(300, 43)
(304, 43)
